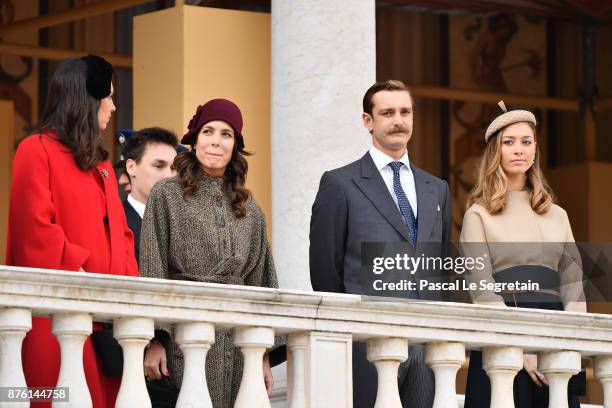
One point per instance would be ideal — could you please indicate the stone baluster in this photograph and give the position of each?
(253, 342)
(603, 372)
(502, 364)
(133, 334)
(387, 354)
(195, 340)
(558, 367)
(297, 345)
(14, 324)
(71, 330)
(319, 367)
(445, 359)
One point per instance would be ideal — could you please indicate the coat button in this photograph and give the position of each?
(221, 222)
(219, 202)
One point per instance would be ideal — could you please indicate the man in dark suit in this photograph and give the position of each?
(381, 197)
(148, 155)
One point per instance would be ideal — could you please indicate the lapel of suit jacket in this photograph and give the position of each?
(133, 220)
(427, 204)
(372, 185)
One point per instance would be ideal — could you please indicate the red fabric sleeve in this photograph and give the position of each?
(34, 240)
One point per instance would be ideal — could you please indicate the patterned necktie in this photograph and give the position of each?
(403, 203)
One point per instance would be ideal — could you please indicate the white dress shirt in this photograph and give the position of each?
(138, 206)
(381, 161)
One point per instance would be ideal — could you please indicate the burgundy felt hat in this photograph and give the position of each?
(215, 109)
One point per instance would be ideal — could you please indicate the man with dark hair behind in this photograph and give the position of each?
(148, 154)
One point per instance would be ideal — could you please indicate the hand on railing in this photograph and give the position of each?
(267, 372)
(530, 364)
(155, 361)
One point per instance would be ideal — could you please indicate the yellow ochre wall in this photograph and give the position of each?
(185, 56)
(7, 120)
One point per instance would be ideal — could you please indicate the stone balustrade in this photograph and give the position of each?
(320, 329)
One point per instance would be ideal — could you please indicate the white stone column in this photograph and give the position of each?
(445, 359)
(133, 334)
(502, 364)
(14, 324)
(320, 370)
(558, 367)
(329, 370)
(603, 372)
(387, 354)
(323, 61)
(297, 345)
(253, 342)
(195, 340)
(71, 330)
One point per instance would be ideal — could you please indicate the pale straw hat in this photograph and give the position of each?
(508, 118)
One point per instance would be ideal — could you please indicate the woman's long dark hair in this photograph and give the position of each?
(73, 114)
(190, 172)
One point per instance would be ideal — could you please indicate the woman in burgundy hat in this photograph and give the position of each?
(204, 225)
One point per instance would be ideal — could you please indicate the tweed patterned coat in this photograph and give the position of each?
(200, 239)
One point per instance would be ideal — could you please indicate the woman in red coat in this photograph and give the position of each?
(65, 211)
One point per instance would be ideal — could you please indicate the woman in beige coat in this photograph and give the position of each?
(514, 225)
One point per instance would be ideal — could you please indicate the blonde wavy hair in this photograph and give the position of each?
(492, 185)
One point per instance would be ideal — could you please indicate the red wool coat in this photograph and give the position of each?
(61, 217)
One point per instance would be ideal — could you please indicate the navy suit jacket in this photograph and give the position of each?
(135, 223)
(353, 205)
